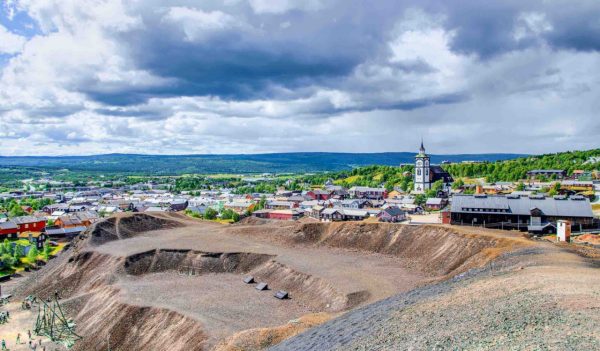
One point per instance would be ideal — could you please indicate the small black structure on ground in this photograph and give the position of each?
(262, 286)
(249, 280)
(281, 294)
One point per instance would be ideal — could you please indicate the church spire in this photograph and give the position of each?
(422, 149)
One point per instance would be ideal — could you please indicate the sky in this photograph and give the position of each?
(252, 76)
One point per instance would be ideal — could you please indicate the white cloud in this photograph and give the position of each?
(10, 8)
(85, 84)
(10, 43)
(283, 6)
(198, 25)
(531, 25)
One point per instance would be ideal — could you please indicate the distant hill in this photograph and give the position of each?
(243, 163)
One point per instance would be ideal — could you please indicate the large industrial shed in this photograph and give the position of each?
(535, 213)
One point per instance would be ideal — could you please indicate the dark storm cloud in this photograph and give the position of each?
(247, 54)
(244, 62)
(487, 28)
(188, 71)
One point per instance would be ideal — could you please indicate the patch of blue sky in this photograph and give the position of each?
(18, 22)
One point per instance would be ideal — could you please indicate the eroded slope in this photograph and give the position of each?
(171, 283)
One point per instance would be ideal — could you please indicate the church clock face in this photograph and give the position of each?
(419, 163)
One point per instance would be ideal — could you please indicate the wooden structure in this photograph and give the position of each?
(52, 323)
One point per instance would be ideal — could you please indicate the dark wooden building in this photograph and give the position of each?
(536, 213)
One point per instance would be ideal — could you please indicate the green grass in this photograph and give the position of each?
(26, 261)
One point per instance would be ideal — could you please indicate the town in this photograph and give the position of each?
(299, 175)
(447, 215)
(535, 204)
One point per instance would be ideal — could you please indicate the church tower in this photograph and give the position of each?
(421, 178)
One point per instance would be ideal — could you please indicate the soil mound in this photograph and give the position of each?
(192, 262)
(432, 249)
(180, 287)
(128, 226)
(593, 239)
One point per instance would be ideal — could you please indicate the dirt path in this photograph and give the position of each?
(20, 322)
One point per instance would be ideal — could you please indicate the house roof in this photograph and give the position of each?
(393, 211)
(155, 209)
(520, 205)
(60, 231)
(27, 219)
(286, 212)
(66, 220)
(434, 201)
(8, 225)
(320, 192)
(356, 213)
(330, 211)
(26, 234)
(366, 188)
(546, 171)
(280, 203)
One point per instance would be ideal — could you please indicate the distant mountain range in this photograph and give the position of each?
(230, 164)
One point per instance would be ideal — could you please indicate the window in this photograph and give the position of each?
(418, 172)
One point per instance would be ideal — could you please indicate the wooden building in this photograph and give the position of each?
(534, 213)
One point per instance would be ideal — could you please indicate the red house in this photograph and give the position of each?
(285, 215)
(29, 224)
(8, 230)
(319, 194)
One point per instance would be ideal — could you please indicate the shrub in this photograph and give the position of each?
(33, 253)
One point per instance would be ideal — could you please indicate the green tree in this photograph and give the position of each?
(435, 187)
(230, 214)
(16, 210)
(7, 247)
(46, 251)
(420, 199)
(33, 253)
(261, 203)
(555, 189)
(18, 252)
(458, 184)
(8, 260)
(210, 214)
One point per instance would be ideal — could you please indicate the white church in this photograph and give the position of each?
(425, 174)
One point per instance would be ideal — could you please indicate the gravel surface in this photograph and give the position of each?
(520, 303)
(221, 302)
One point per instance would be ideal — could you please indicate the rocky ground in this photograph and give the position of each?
(540, 298)
(126, 282)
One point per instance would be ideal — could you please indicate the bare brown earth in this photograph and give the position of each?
(168, 282)
(543, 297)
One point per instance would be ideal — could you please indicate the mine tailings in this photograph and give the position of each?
(85, 278)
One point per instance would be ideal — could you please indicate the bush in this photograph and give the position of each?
(8, 260)
(33, 254)
(18, 252)
(230, 214)
(210, 214)
(46, 251)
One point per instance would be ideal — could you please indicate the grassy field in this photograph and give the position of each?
(26, 261)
